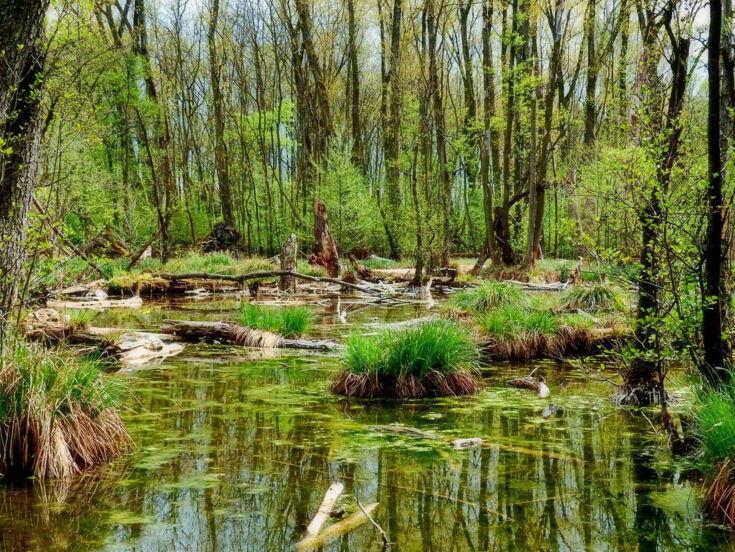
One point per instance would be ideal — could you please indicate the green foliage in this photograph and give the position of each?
(216, 263)
(594, 298)
(490, 295)
(286, 321)
(438, 345)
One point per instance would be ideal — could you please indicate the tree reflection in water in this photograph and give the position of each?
(237, 456)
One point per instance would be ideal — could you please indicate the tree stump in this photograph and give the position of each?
(325, 250)
(288, 262)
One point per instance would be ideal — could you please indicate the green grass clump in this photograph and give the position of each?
(438, 345)
(380, 262)
(490, 295)
(285, 321)
(434, 359)
(512, 321)
(57, 412)
(594, 298)
(216, 263)
(716, 425)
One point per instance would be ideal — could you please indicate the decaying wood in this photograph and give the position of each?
(288, 263)
(363, 272)
(534, 384)
(325, 508)
(399, 429)
(226, 332)
(461, 444)
(241, 278)
(50, 325)
(552, 286)
(129, 302)
(325, 248)
(332, 532)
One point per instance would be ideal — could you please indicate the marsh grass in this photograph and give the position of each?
(58, 413)
(285, 321)
(594, 298)
(536, 329)
(304, 267)
(436, 358)
(490, 295)
(716, 431)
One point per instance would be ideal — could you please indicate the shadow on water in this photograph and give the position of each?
(235, 452)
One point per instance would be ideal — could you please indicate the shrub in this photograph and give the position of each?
(595, 298)
(285, 321)
(436, 358)
(490, 295)
(57, 413)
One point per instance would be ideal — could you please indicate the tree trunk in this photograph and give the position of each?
(715, 347)
(357, 147)
(590, 108)
(21, 69)
(220, 147)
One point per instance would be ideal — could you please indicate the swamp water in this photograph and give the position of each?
(234, 450)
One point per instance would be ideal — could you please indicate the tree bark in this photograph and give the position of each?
(21, 73)
(715, 347)
(220, 147)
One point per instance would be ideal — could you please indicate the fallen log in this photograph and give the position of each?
(530, 286)
(330, 533)
(534, 384)
(136, 348)
(241, 278)
(227, 332)
(325, 508)
(130, 302)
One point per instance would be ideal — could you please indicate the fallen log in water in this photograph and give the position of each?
(227, 332)
(134, 348)
(332, 532)
(241, 278)
(95, 303)
(534, 384)
(325, 508)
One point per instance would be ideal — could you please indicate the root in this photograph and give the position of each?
(434, 384)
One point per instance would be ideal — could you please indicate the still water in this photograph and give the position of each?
(235, 449)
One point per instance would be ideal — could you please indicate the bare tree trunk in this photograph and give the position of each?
(357, 146)
(21, 69)
(715, 347)
(220, 147)
(590, 108)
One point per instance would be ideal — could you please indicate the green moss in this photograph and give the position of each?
(286, 321)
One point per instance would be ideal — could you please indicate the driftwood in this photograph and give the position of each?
(363, 272)
(398, 429)
(130, 302)
(553, 286)
(330, 533)
(226, 332)
(470, 442)
(241, 278)
(51, 326)
(325, 249)
(534, 384)
(325, 508)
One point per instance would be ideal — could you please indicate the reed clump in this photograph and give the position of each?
(435, 359)
(286, 321)
(58, 413)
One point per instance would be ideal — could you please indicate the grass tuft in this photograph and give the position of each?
(594, 298)
(285, 321)
(436, 358)
(57, 413)
(490, 295)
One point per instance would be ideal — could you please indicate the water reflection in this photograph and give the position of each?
(236, 455)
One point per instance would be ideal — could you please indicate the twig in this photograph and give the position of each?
(386, 541)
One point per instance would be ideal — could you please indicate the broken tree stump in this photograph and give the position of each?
(325, 249)
(288, 263)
